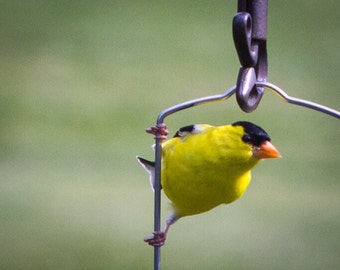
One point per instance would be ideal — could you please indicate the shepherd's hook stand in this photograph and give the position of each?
(249, 32)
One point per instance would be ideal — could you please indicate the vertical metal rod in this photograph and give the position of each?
(157, 203)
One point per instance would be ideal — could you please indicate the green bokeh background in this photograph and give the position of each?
(81, 80)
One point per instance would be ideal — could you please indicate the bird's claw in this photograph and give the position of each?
(157, 240)
(159, 131)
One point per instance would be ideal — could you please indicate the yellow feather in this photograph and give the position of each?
(206, 168)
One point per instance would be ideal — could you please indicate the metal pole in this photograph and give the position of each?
(157, 203)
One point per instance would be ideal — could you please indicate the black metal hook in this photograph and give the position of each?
(242, 33)
(250, 35)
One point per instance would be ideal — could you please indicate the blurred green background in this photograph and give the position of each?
(81, 80)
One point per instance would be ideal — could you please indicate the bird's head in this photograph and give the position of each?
(259, 140)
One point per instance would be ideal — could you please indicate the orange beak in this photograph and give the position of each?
(266, 150)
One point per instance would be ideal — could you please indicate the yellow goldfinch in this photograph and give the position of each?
(204, 166)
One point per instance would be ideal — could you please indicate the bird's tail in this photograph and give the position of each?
(149, 166)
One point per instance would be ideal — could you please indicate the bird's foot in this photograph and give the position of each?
(157, 240)
(159, 131)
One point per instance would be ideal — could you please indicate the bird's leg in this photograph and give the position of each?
(159, 237)
(159, 131)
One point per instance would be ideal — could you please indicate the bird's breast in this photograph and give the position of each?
(200, 190)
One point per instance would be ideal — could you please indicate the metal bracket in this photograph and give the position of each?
(250, 35)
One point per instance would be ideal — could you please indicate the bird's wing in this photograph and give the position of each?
(191, 129)
(149, 166)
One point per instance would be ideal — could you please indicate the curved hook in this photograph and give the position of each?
(250, 35)
(252, 54)
(248, 94)
(246, 49)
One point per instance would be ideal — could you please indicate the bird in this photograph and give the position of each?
(204, 166)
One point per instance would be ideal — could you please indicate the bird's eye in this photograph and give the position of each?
(246, 138)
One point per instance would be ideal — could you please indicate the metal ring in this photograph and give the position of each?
(248, 94)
